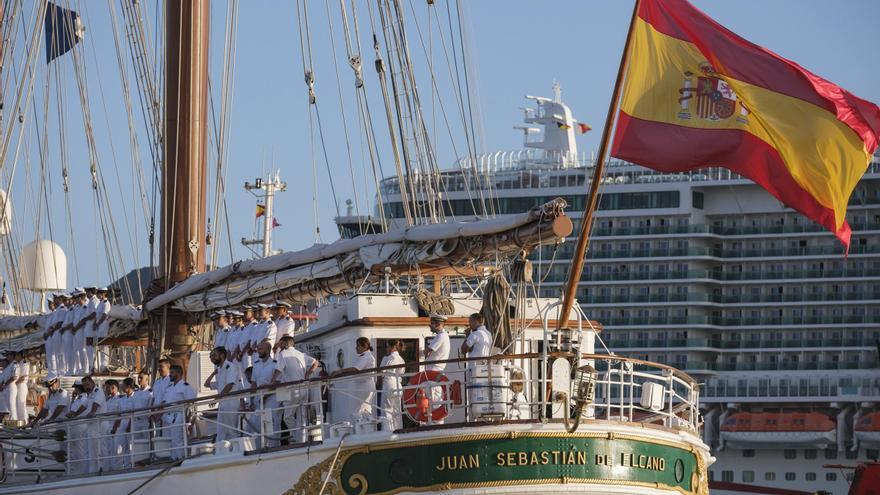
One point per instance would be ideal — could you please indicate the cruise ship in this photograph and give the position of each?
(707, 272)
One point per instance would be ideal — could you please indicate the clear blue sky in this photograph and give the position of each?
(517, 47)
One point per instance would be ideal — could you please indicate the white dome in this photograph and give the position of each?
(43, 266)
(5, 216)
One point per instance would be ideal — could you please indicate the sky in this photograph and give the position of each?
(514, 48)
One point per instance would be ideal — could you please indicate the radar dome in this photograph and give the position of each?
(43, 266)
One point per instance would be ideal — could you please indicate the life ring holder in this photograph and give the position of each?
(415, 400)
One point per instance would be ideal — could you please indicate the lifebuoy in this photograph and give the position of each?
(416, 402)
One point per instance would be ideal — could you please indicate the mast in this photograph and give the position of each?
(577, 264)
(271, 185)
(182, 236)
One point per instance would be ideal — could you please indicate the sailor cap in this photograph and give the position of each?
(234, 312)
(246, 307)
(51, 377)
(437, 317)
(77, 293)
(102, 289)
(282, 304)
(262, 306)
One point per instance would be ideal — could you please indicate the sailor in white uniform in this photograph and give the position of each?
(391, 387)
(294, 366)
(68, 338)
(234, 339)
(78, 323)
(9, 387)
(141, 399)
(89, 329)
(265, 329)
(97, 403)
(264, 372)
(221, 328)
(159, 387)
(121, 429)
(175, 420)
(48, 338)
(76, 433)
(102, 329)
(361, 388)
(55, 323)
(24, 374)
(250, 324)
(110, 456)
(56, 403)
(283, 322)
(438, 350)
(225, 379)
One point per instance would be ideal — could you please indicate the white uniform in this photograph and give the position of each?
(391, 392)
(141, 425)
(24, 369)
(364, 388)
(284, 326)
(89, 332)
(68, 341)
(268, 414)
(77, 444)
(55, 399)
(293, 365)
(221, 335)
(56, 318)
(102, 331)
(480, 342)
(94, 443)
(110, 455)
(175, 422)
(228, 409)
(266, 329)
(159, 387)
(4, 395)
(10, 392)
(250, 334)
(440, 347)
(122, 438)
(79, 340)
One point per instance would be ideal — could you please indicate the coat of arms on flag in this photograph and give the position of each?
(714, 99)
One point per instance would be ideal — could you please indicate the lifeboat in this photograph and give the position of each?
(867, 430)
(791, 429)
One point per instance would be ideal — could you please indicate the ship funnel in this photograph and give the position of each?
(43, 266)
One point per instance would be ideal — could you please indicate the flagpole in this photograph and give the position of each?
(583, 242)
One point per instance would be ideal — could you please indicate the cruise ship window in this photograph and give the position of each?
(852, 454)
(810, 476)
(830, 476)
(727, 476)
(769, 476)
(790, 476)
(790, 454)
(810, 454)
(748, 476)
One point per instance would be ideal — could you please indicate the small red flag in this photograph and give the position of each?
(584, 128)
(275, 223)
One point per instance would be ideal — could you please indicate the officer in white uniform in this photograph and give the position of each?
(225, 378)
(76, 433)
(438, 350)
(56, 401)
(55, 323)
(221, 328)
(102, 329)
(110, 456)
(294, 366)
(78, 323)
(24, 374)
(266, 328)
(68, 338)
(97, 404)
(391, 387)
(361, 388)
(141, 399)
(249, 327)
(283, 322)
(175, 420)
(48, 340)
(9, 386)
(163, 382)
(121, 429)
(89, 330)
(264, 372)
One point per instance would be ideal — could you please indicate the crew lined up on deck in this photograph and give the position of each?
(77, 324)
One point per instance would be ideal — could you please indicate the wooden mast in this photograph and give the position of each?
(182, 235)
(577, 264)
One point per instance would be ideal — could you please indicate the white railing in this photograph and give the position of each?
(497, 390)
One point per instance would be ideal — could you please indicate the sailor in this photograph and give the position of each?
(265, 328)
(163, 382)
(89, 330)
(97, 403)
(228, 378)
(283, 322)
(294, 366)
(76, 432)
(362, 388)
(233, 341)
(249, 327)
(175, 418)
(76, 323)
(121, 429)
(102, 329)
(9, 386)
(22, 384)
(56, 321)
(438, 348)
(221, 328)
(391, 386)
(56, 402)
(265, 372)
(110, 456)
(68, 338)
(141, 399)
(48, 338)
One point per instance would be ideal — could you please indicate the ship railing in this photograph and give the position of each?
(494, 390)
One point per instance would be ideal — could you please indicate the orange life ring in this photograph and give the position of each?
(416, 402)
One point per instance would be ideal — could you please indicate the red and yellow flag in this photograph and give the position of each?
(261, 210)
(697, 95)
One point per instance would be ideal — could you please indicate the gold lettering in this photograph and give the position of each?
(570, 459)
(534, 459)
(643, 461)
(473, 461)
(662, 464)
(623, 460)
(581, 457)
(511, 458)
(442, 465)
(555, 457)
(545, 457)
(523, 458)
(499, 459)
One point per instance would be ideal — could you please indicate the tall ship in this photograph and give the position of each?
(709, 273)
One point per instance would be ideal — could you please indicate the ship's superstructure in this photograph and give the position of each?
(707, 272)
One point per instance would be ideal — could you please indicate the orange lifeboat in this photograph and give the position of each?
(867, 429)
(796, 429)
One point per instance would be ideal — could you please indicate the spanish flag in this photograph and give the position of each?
(261, 210)
(563, 126)
(697, 95)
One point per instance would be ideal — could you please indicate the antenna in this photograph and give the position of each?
(265, 190)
